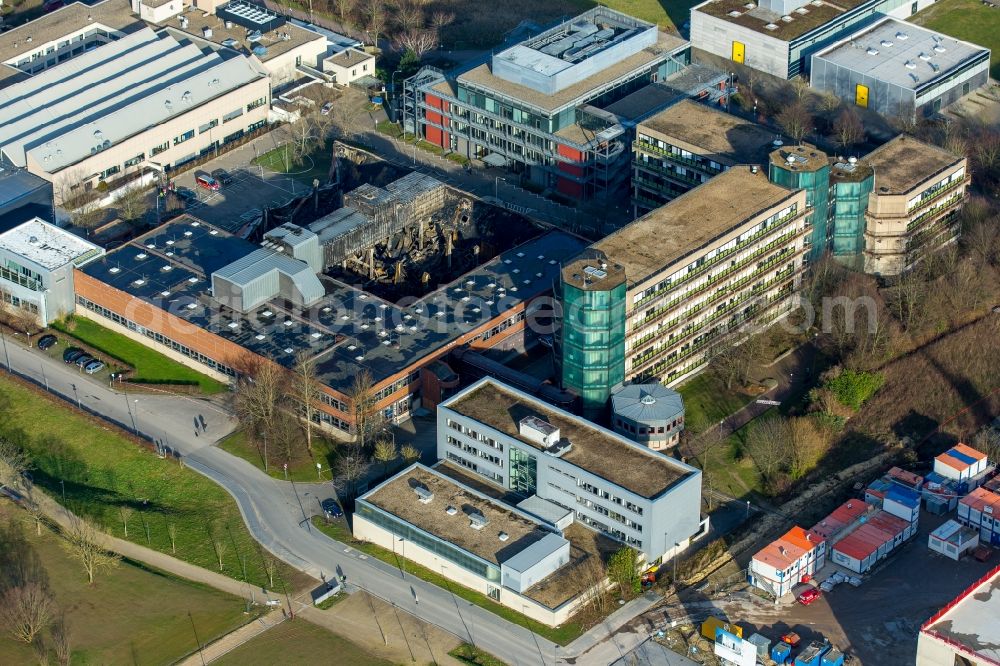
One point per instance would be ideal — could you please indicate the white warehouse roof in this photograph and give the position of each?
(48, 246)
(77, 108)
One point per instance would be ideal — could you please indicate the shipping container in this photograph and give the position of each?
(763, 643)
(709, 626)
(812, 654)
(781, 653)
(833, 657)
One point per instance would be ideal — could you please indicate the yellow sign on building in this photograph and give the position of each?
(861, 96)
(738, 51)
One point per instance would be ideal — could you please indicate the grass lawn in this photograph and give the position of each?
(728, 473)
(300, 469)
(317, 166)
(470, 654)
(665, 13)
(130, 615)
(149, 365)
(103, 471)
(707, 401)
(563, 635)
(299, 642)
(969, 20)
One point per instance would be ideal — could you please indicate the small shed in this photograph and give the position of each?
(762, 643)
(953, 540)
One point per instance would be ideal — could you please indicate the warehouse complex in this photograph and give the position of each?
(650, 300)
(900, 69)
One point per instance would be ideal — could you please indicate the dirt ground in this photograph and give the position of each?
(366, 620)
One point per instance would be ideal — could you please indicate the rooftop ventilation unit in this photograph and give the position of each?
(206, 32)
(802, 10)
(909, 64)
(478, 521)
(939, 49)
(538, 431)
(872, 51)
(750, 5)
(886, 44)
(451, 511)
(786, 18)
(735, 14)
(503, 536)
(596, 273)
(424, 494)
(560, 448)
(770, 26)
(902, 36)
(925, 56)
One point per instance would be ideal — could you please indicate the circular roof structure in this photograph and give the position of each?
(647, 402)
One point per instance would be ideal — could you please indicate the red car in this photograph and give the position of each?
(809, 596)
(207, 182)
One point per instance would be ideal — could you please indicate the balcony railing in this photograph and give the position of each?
(689, 161)
(778, 224)
(932, 212)
(669, 173)
(937, 193)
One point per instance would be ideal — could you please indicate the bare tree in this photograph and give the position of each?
(987, 441)
(847, 129)
(385, 452)
(172, 535)
(270, 569)
(89, 545)
(132, 202)
(598, 595)
(259, 392)
(987, 148)
(14, 462)
(410, 453)
(306, 392)
(440, 20)
(88, 215)
(219, 545)
(734, 359)
(351, 467)
(362, 397)
(906, 298)
(26, 610)
(61, 643)
(769, 444)
(375, 19)
(125, 512)
(419, 41)
(796, 120)
(409, 16)
(345, 8)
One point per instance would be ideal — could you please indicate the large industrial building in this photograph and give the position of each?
(536, 107)
(207, 298)
(685, 145)
(965, 630)
(514, 442)
(24, 196)
(37, 262)
(900, 70)
(650, 300)
(913, 209)
(780, 36)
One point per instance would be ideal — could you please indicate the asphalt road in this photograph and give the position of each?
(277, 513)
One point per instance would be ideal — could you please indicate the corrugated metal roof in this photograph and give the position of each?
(260, 263)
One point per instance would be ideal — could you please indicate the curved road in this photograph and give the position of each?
(277, 513)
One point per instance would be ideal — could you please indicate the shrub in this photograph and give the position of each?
(853, 388)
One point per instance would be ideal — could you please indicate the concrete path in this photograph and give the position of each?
(234, 639)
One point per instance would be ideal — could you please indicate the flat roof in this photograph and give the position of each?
(348, 329)
(275, 41)
(816, 14)
(971, 619)
(691, 221)
(113, 14)
(902, 54)
(47, 245)
(647, 402)
(718, 134)
(350, 57)
(399, 497)
(596, 450)
(482, 77)
(903, 163)
(543, 509)
(72, 110)
(801, 157)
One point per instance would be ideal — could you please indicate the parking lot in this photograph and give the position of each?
(878, 621)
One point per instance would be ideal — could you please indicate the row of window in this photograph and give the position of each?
(468, 464)
(605, 511)
(472, 450)
(469, 432)
(604, 494)
(627, 426)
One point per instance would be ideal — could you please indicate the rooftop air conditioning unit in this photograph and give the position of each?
(424, 495)
(207, 32)
(451, 511)
(478, 521)
(503, 536)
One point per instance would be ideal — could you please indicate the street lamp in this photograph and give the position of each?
(77, 395)
(5, 353)
(319, 471)
(496, 187)
(135, 421)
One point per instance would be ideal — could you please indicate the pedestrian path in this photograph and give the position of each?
(234, 639)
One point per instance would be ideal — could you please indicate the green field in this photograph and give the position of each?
(302, 468)
(707, 401)
(149, 365)
(299, 642)
(969, 20)
(102, 471)
(563, 635)
(315, 166)
(130, 615)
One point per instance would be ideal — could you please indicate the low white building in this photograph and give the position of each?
(962, 463)
(349, 65)
(36, 268)
(787, 562)
(952, 540)
(980, 510)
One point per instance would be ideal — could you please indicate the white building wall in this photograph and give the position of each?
(282, 68)
(762, 52)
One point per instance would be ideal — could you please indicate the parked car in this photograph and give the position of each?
(331, 507)
(222, 176)
(186, 194)
(47, 341)
(92, 367)
(71, 354)
(82, 361)
(326, 109)
(809, 596)
(205, 181)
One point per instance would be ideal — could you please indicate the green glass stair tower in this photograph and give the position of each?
(591, 340)
(851, 183)
(806, 167)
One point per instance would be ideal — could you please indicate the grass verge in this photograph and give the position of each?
(130, 615)
(470, 654)
(149, 365)
(299, 642)
(302, 468)
(562, 635)
(98, 472)
(316, 166)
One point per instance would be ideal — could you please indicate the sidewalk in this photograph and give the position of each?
(234, 639)
(597, 637)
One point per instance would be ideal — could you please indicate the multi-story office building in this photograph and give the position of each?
(536, 106)
(37, 265)
(900, 69)
(650, 300)
(617, 487)
(913, 209)
(687, 144)
(780, 36)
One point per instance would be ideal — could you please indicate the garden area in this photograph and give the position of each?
(104, 476)
(151, 367)
(130, 614)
